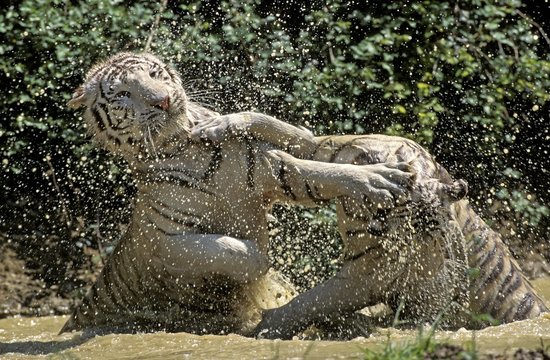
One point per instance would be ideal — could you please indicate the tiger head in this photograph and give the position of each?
(133, 101)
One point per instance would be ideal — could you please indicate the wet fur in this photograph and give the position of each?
(195, 255)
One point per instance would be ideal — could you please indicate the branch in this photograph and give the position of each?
(155, 25)
(99, 239)
(535, 24)
(65, 214)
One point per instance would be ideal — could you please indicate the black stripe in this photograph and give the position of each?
(124, 286)
(287, 190)
(215, 162)
(511, 283)
(98, 119)
(102, 92)
(99, 71)
(200, 228)
(312, 193)
(112, 287)
(131, 141)
(172, 169)
(478, 245)
(130, 61)
(361, 216)
(102, 128)
(163, 177)
(181, 182)
(137, 288)
(183, 222)
(466, 224)
(515, 284)
(106, 296)
(489, 257)
(103, 107)
(347, 211)
(525, 306)
(363, 253)
(317, 192)
(250, 164)
(309, 192)
(181, 212)
(497, 270)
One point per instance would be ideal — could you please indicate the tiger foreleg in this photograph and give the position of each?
(195, 256)
(381, 184)
(297, 141)
(338, 296)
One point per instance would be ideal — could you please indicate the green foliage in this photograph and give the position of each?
(467, 79)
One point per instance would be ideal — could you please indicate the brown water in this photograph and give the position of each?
(25, 338)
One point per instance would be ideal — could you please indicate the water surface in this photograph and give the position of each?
(25, 338)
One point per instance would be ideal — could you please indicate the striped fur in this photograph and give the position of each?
(195, 255)
(374, 243)
(500, 289)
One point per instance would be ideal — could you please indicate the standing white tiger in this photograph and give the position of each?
(195, 255)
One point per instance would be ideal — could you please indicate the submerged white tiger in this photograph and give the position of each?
(194, 257)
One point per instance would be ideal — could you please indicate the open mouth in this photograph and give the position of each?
(163, 104)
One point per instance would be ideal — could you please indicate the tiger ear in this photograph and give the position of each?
(78, 99)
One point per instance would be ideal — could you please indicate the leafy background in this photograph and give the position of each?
(467, 79)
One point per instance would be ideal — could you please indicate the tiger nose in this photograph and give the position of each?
(162, 103)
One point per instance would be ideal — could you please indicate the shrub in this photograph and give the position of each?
(469, 80)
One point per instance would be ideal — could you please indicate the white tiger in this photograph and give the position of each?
(417, 253)
(195, 255)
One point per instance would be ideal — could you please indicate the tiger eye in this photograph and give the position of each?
(122, 94)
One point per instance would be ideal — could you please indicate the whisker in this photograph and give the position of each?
(152, 142)
(198, 98)
(204, 91)
(189, 82)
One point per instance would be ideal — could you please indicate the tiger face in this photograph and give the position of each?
(133, 101)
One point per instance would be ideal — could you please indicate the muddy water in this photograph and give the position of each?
(24, 338)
